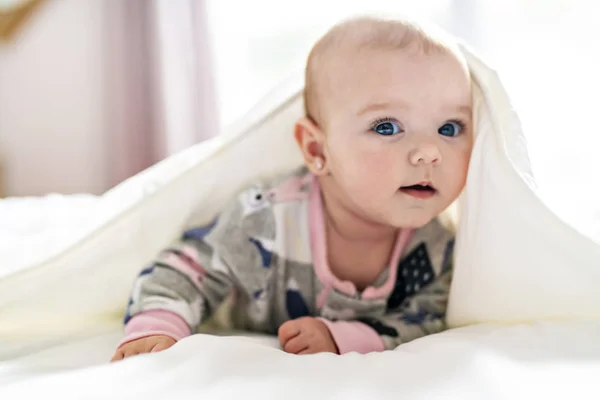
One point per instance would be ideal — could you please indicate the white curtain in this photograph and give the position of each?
(160, 94)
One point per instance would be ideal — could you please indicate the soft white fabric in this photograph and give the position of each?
(33, 228)
(87, 283)
(515, 261)
(539, 361)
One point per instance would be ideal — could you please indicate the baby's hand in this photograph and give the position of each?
(306, 335)
(148, 344)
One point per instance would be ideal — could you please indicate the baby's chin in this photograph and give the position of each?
(409, 220)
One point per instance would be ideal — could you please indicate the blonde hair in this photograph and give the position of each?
(365, 33)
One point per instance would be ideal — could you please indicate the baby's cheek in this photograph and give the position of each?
(360, 166)
(456, 173)
(379, 163)
(370, 172)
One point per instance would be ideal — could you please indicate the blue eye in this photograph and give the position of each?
(386, 128)
(451, 129)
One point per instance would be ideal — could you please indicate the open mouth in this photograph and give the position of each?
(420, 191)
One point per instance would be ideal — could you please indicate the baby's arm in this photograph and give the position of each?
(176, 293)
(419, 315)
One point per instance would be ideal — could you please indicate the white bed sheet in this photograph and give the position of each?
(542, 360)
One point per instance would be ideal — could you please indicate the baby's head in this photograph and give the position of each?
(388, 127)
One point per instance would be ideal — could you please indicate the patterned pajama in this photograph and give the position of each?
(268, 249)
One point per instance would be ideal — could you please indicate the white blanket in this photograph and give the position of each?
(515, 261)
(34, 228)
(539, 361)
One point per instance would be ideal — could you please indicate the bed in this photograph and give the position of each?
(68, 263)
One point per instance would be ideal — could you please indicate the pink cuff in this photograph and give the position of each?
(155, 322)
(354, 336)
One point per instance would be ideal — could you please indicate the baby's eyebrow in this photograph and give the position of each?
(380, 106)
(465, 109)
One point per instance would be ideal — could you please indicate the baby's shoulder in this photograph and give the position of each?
(245, 234)
(253, 212)
(292, 187)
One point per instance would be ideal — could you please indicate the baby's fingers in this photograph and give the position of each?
(160, 346)
(296, 345)
(124, 352)
(308, 350)
(118, 356)
(288, 331)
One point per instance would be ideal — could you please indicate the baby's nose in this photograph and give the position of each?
(425, 153)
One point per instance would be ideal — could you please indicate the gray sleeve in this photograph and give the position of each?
(195, 275)
(192, 277)
(188, 279)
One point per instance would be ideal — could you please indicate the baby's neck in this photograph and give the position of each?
(358, 250)
(353, 229)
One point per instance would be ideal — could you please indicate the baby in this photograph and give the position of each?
(347, 254)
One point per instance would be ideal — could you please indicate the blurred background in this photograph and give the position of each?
(94, 91)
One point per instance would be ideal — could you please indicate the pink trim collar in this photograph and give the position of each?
(319, 252)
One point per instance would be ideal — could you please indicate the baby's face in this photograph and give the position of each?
(398, 133)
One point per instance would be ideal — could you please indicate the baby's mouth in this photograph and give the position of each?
(419, 191)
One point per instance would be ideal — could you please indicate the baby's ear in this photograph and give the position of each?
(309, 138)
